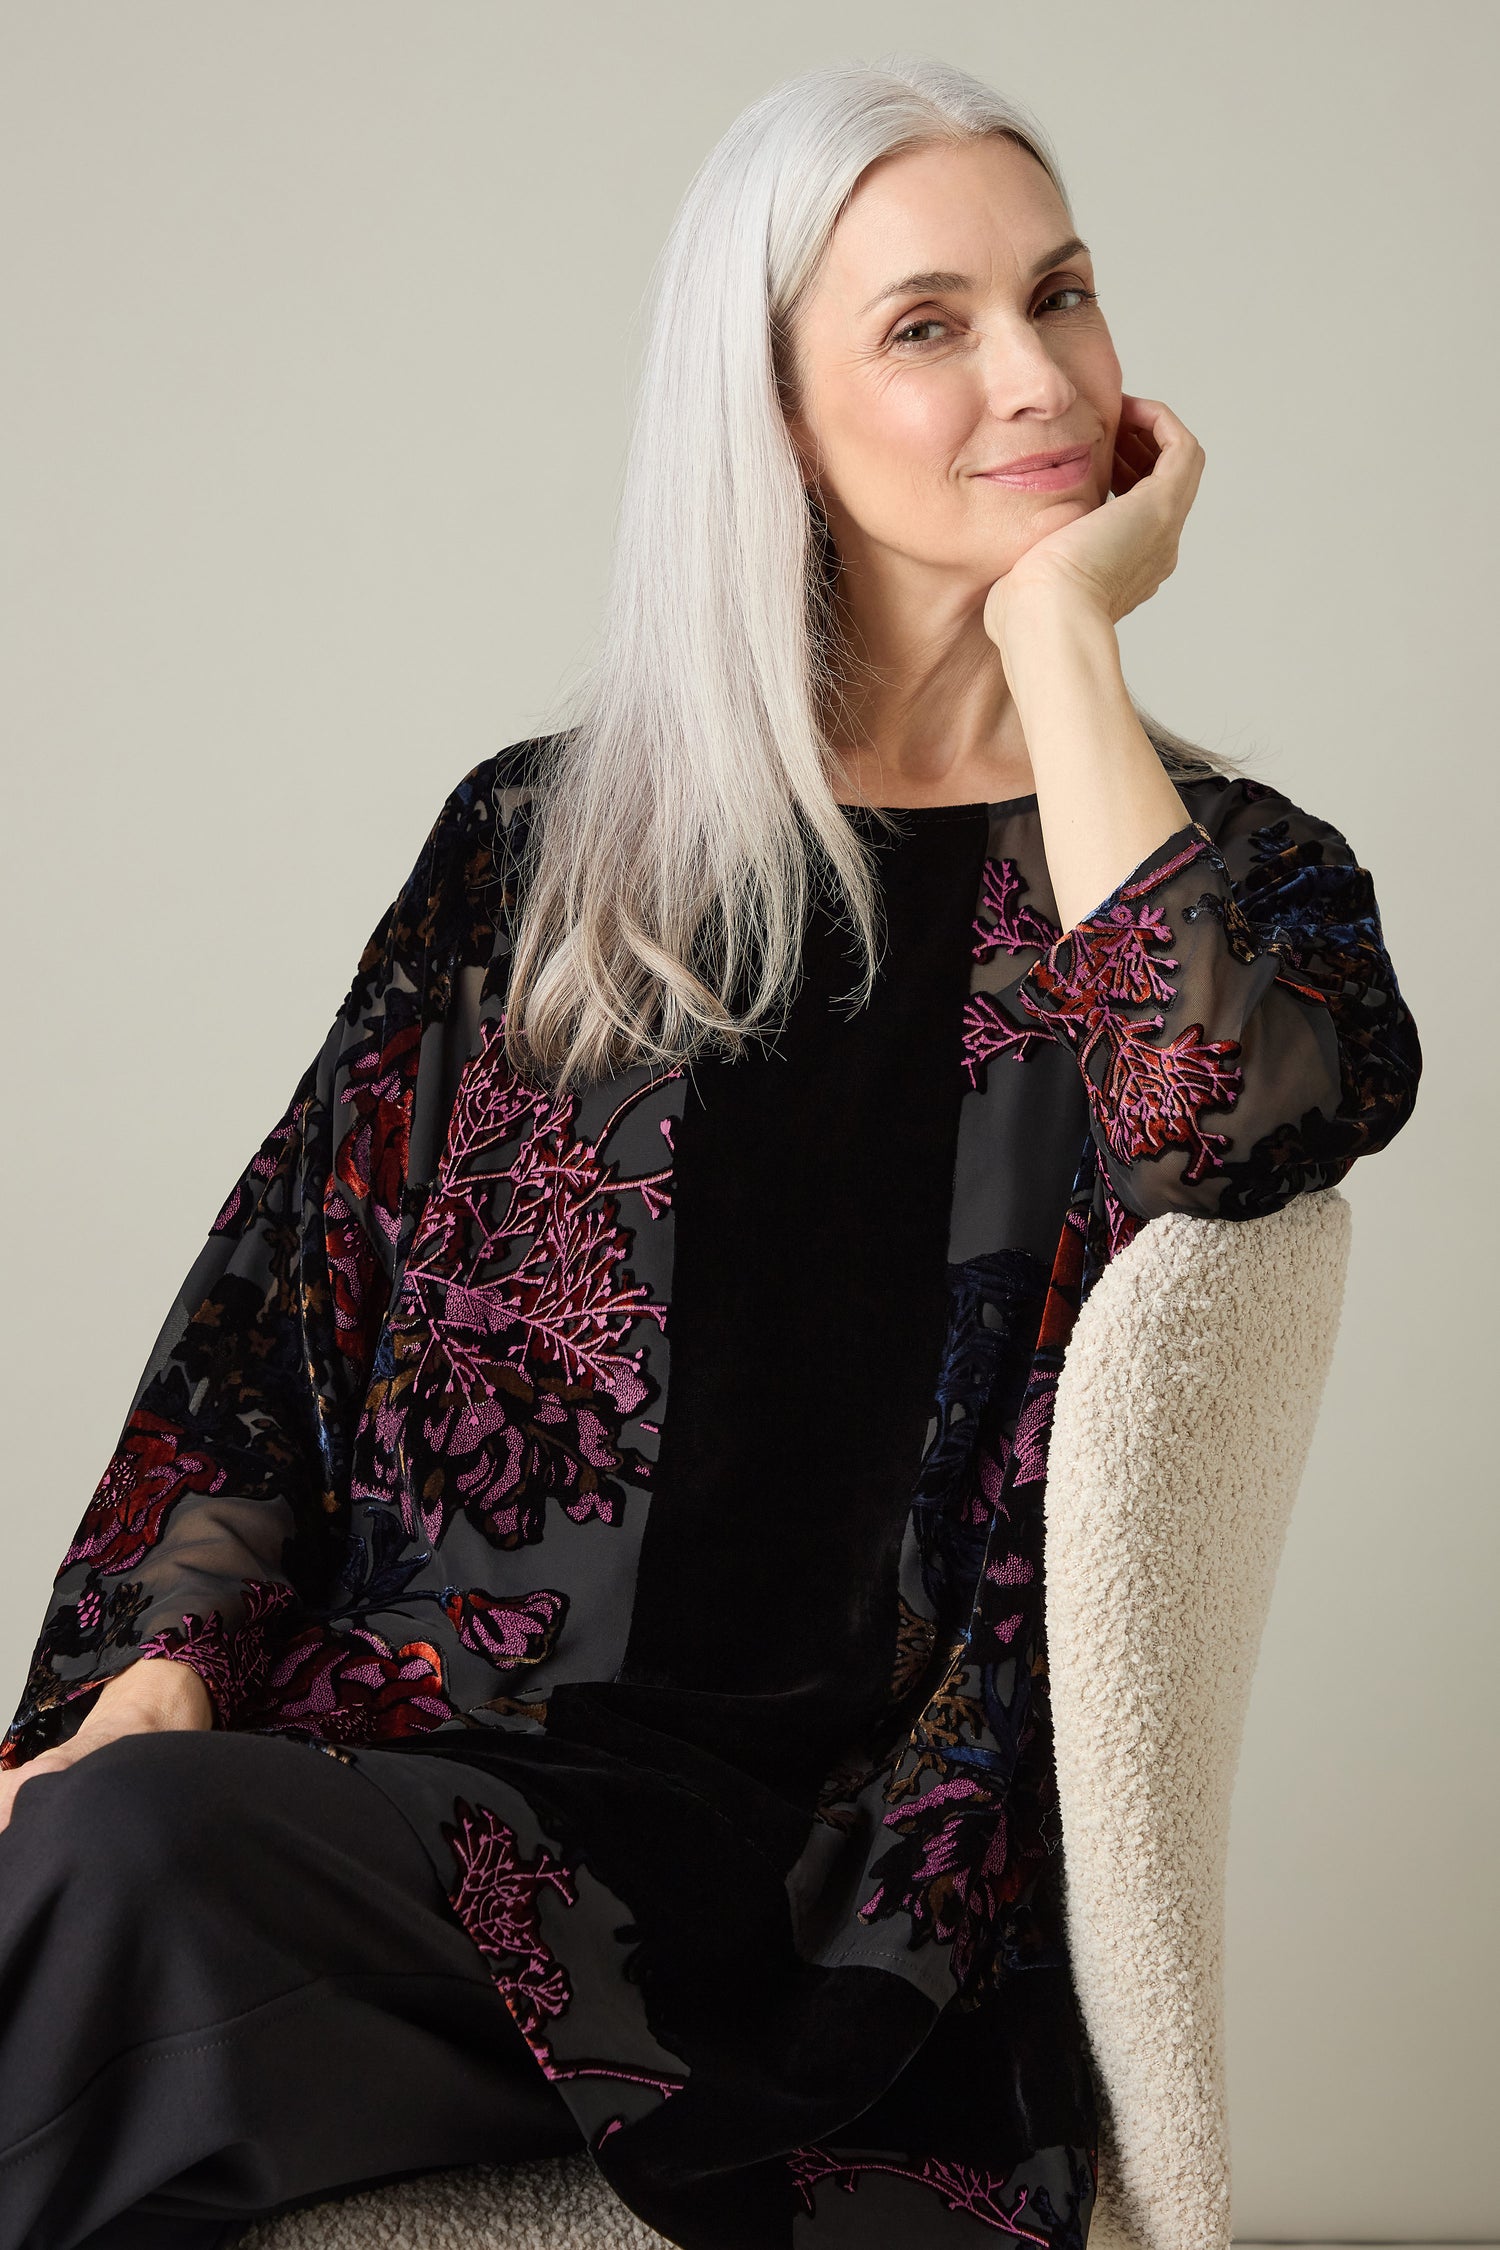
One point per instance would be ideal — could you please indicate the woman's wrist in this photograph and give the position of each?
(1103, 796)
(153, 1691)
(1034, 624)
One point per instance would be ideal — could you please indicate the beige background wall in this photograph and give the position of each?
(319, 319)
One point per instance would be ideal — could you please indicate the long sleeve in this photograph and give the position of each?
(1234, 1012)
(226, 1491)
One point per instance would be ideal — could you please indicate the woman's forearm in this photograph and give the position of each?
(1103, 798)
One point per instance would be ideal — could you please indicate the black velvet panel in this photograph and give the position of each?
(812, 1198)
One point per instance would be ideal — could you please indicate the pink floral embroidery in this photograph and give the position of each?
(1011, 927)
(965, 1846)
(231, 1662)
(507, 1631)
(1033, 1430)
(262, 1166)
(512, 1375)
(1123, 1225)
(989, 1032)
(1002, 924)
(961, 2187)
(495, 1898)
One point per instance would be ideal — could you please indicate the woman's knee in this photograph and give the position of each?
(136, 1806)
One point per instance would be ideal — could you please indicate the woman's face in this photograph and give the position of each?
(912, 390)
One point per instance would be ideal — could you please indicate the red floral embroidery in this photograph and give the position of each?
(154, 1465)
(1148, 1096)
(351, 1687)
(372, 1157)
(355, 1273)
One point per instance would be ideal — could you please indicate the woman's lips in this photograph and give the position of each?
(1071, 471)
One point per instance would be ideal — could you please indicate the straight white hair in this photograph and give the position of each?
(685, 812)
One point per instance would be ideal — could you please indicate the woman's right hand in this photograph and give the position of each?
(153, 1695)
(1114, 556)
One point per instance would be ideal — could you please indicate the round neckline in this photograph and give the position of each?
(943, 812)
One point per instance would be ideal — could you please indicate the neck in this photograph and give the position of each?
(925, 714)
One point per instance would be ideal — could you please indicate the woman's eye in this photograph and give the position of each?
(909, 338)
(932, 321)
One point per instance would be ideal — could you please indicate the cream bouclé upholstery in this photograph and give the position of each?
(562, 2204)
(1184, 1414)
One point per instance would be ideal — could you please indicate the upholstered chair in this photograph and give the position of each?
(1184, 1413)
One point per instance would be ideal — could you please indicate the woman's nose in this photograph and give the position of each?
(1020, 374)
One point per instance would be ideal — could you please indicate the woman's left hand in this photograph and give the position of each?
(1117, 555)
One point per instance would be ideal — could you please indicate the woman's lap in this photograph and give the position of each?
(231, 1982)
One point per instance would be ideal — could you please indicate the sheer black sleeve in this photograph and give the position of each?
(219, 1505)
(1234, 1012)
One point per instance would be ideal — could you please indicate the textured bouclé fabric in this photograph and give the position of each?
(1183, 1420)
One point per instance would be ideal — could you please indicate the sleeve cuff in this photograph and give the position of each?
(231, 1662)
(1185, 844)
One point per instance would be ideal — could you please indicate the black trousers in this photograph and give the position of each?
(230, 1985)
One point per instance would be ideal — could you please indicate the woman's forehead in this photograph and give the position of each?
(947, 216)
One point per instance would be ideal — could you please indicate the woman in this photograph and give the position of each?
(817, 1012)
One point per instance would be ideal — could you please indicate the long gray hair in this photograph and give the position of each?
(686, 811)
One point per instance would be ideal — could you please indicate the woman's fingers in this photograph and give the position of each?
(92, 1735)
(152, 1695)
(1135, 457)
(1152, 441)
(47, 1761)
(1151, 422)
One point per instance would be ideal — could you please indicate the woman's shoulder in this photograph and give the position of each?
(501, 784)
(464, 873)
(489, 802)
(1248, 818)
(516, 773)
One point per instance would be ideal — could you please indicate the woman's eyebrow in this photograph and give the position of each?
(938, 280)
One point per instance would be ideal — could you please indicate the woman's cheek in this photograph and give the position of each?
(1097, 374)
(938, 416)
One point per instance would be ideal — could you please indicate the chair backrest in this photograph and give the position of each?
(1184, 1413)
